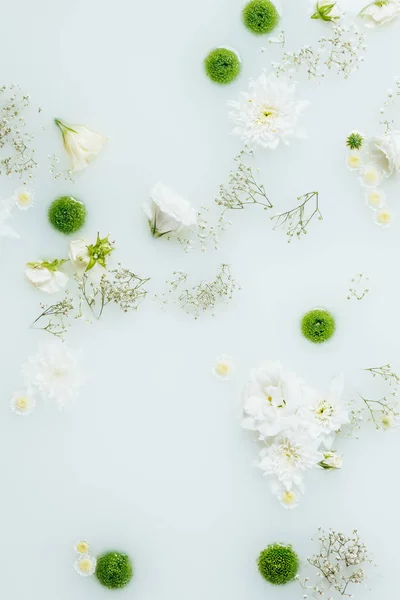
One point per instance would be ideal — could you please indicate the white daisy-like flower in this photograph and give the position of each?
(23, 198)
(23, 403)
(85, 565)
(389, 420)
(268, 113)
(81, 143)
(354, 160)
(384, 217)
(289, 498)
(55, 372)
(370, 176)
(289, 457)
(375, 199)
(82, 547)
(324, 415)
(223, 367)
(270, 399)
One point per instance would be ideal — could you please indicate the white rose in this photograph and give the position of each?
(386, 151)
(45, 277)
(82, 144)
(167, 212)
(80, 257)
(380, 12)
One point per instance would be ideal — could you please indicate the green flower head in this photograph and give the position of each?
(114, 570)
(67, 214)
(318, 325)
(355, 140)
(222, 65)
(99, 251)
(278, 564)
(260, 16)
(323, 11)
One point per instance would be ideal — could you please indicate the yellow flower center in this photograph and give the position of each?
(24, 198)
(223, 368)
(22, 403)
(354, 161)
(288, 497)
(386, 421)
(375, 199)
(85, 565)
(267, 114)
(82, 547)
(384, 217)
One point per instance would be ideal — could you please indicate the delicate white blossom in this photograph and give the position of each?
(85, 565)
(167, 212)
(385, 151)
(268, 113)
(223, 367)
(23, 403)
(389, 420)
(384, 217)
(375, 199)
(289, 498)
(55, 372)
(370, 176)
(380, 12)
(82, 547)
(81, 143)
(46, 276)
(23, 198)
(354, 160)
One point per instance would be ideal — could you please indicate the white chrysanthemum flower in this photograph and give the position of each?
(81, 143)
(268, 113)
(289, 457)
(354, 160)
(167, 212)
(46, 276)
(23, 403)
(385, 151)
(324, 415)
(384, 217)
(375, 199)
(380, 12)
(82, 547)
(85, 565)
(289, 498)
(23, 198)
(223, 367)
(270, 399)
(55, 371)
(370, 176)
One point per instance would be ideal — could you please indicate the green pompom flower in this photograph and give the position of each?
(355, 140)
(114, 570)
(260, 16)
(278, 564)
(318, 325)
(222, 65)
(67, 214)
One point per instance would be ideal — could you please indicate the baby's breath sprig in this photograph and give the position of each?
(340, 564)
(386, 372)
(15, 141)
(56, 317)
(392, 97)
(202, 296)
(384, 412)
(119, 286)
(66, 174)
(358, 290)
(296, 220)
(280, 40)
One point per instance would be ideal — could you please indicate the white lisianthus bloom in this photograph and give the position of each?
(268, 113)
(55, 372)
(81, 143)
(324, 415)
(289, 457)
(326, 10)
(23, 403)
(167, 212)
(23, 198)
(380, 12)
(331, 460)
(85, 565)
(270, 399)
(385, 151)
(46, 276)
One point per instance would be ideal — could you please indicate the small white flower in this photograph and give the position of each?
(380, 12)
(385, 151)
(82, 144)
(384, 217)
(268, 113)
(354, 160)
(55, 372)
(167, 212)
(331, 460)
(82, 547)
(23, 198)
(289, 498)
(389, 420)
(223, 367)
(23, 403)
(46, 277)
(85, 565)
(375, 199)
(370, 176)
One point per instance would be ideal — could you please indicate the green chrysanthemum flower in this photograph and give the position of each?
(318, 325)
(355, 141)
(222, 65)
(260, 16)
(278, 564)
(67, 214)
(114, 570)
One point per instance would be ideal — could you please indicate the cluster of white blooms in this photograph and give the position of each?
(296, 427)
(85, 564)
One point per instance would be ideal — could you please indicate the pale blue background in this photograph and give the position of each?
(151, 459)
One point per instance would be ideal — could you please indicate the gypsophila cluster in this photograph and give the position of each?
(55, 317)
(296, 221)
(16, 142)
(203, 296)
(340, 563)
(357, 288)
(390, 102)
(66, 174)
(384, 412)
(342, 52)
